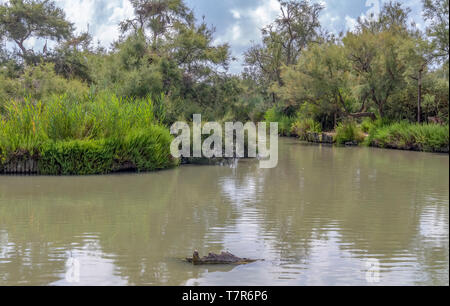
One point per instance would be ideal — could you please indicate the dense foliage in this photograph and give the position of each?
(384, 68)
(90, 135)
(406, 136)
(74, 101)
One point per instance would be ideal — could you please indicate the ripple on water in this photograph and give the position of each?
(319, 218)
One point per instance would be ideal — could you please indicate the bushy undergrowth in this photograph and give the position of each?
(301, 128)
(90, 135)
(366, 125)
(284, 122)
(38, 82)
(407, 136)
(349, 131)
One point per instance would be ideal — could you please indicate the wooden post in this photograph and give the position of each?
(419, 98)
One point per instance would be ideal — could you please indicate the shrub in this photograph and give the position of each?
(8, 88)
(366, 125)
(284, 122)
(348, 131)
(143, 150)
(284, 126)
(38, 82)
(76, 157)
(272, 115)
(301, 128)
(140, 150)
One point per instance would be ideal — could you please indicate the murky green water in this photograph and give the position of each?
(319, 218)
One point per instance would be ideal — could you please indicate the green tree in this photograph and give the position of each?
(393, 17)
(194, 51)
(71, 57)
(416, 53)
(436, 13)
(374, 50)
(132, 69)
(157, 18)
(283, 41)
(376, 61)
(297, 26)
(323, 77)
(21, 20)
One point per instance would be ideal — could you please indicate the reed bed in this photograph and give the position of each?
(80, 136)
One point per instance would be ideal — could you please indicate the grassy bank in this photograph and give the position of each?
(91, 135)
(406, 136)
(379, 133)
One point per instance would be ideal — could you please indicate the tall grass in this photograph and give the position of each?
(348, 131)
(87, 135)
(21, 127)
(407, 136)
(302, 127)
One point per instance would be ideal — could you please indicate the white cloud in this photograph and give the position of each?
(350, 23)
(249, 22)
(331, 20)
(246, 28)
(122, 12)
(80, 12)
(265, 13)
(236, 14)
(86, 12)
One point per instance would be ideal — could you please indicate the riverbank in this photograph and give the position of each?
(411, 137)
(139, 151)
(432, 138)
(107, 134)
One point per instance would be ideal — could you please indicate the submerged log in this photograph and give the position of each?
(225, 258)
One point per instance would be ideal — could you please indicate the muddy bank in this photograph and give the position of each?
(327, 138)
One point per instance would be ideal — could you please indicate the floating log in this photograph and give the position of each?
(225, 258)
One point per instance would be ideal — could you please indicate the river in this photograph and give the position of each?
(324, 216)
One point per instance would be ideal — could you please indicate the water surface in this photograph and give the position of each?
(319, 218)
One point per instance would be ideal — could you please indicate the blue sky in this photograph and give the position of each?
(237, 22)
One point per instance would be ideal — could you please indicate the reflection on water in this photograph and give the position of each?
(322, 217)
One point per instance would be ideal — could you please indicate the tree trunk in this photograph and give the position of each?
(381, 111)
(23, 49)
(419, 98)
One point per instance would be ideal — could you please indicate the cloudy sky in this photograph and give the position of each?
(237, 22)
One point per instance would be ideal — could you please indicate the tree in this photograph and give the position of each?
(193, 50)
(2, 45)
(22, 19)
(70, 57)
(436, 13)
(323, 77)
(283, 41)
(157, 16)
(392, 17)
(374, 50)
(264, 63)
(165, 53)
(295, 28)
(376, 61)
(416, 53)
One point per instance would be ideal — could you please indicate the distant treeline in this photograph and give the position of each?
(300, 75)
